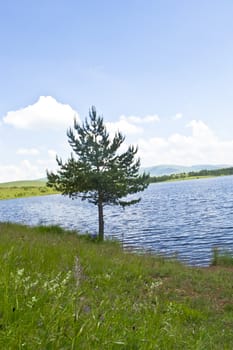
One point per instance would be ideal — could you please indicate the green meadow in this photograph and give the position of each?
(19, 189)
(60, 290)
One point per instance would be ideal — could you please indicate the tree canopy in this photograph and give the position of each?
(97, 171)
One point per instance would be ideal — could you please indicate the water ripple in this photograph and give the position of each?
(186, 219)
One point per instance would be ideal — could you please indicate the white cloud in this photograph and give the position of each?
(201, 131)
(141, 120)
(29, 170)
(25, 170)
(150, 119)
(49, 162)
(124, 126)
(28, 151)
(46, 113)
(177, 116)
(198, 146)
(52, 154)
(202, 146)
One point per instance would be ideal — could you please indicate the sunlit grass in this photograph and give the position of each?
(25, 191)
(64, 291)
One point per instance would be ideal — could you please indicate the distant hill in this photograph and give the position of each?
(26, 183)
(160, 170)
(157, 170)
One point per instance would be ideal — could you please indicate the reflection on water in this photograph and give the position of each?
(185, 218)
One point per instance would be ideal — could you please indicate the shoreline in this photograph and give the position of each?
(8, 191)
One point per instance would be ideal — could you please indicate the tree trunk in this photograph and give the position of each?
(101, 220)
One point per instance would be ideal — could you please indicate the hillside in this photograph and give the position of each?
(24, 183)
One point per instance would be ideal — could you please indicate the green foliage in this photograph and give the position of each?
(99, 173)
(63, 291)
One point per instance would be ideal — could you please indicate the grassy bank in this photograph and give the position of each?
(62, 291)
(19, 189)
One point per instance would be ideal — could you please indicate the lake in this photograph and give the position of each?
(186, 218)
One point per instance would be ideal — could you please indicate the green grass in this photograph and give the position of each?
(224, 258)
(19, 189)
(64, 291)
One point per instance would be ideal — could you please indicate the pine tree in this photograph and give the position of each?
(98, 172)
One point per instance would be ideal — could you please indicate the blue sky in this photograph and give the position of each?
(160, 71)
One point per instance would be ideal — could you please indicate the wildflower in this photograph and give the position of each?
(20, 272)
(156, 284)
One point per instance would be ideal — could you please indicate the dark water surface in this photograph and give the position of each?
(186, 218)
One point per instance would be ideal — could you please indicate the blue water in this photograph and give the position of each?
(186, 218)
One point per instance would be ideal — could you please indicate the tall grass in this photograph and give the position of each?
(222, 258)
(63, 291)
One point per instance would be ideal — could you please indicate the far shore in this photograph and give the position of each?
(23, 189)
